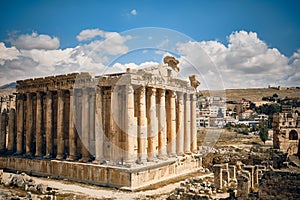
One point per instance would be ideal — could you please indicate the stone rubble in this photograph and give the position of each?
(26, 183)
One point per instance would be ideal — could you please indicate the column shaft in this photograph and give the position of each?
(85, 126)
(99, 132)
(11, 131)
(60, 125)
(193, 124)
(38, 125)
(3, 131)
(162, 129)
(129, 124)
(172, 124)
(180, 125)
(142, 125)
(92, 122)
(187, 125)
(29, 124)
(20, 123)
(72, 131)
(49, 125)
(151, 116)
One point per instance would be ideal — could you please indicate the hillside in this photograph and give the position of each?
(255, 94)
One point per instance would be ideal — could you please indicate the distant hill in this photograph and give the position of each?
(256, 94)
(8, 86)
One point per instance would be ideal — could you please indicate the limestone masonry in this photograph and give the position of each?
(286, 127)
(126, 130)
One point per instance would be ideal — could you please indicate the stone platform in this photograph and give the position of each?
(129, 178)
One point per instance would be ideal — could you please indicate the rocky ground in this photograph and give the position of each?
(229, 148)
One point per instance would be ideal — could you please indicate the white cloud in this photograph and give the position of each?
(89, 34)
(7, 53)
(133, 12)
(93, 56)
(35, 41)
(246, 61)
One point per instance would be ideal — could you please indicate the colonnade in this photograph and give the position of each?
(120, 124)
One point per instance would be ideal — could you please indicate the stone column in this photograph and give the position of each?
(152, 124)
(11, 131)
(172, 124)
(251, 169)
(218, 180)
(85, 126)
(0, 104)
(91, 121)
(142, 124)
(129, 124)
(49, 125)
(3, 131)
(38, 125)
(193, 124)
(29, 124)
(20, 123)
(72, 131)
(60, 125)
(162, 129)
(180, 125)
(187, 125)
(99, 129)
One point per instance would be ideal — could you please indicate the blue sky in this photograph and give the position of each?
(275, 23)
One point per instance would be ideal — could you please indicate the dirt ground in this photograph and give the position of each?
(226, 143)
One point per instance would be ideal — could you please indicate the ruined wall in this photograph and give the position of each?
(280, 185)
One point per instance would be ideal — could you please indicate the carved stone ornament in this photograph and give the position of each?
(194, 81)
(172, 62)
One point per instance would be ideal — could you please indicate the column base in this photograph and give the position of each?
(9, 152)
(19, 153)
(172, 155)
(48, 156)
(28, 155)
(195, 151)
(59, 157)
(84, 159)
(188, 152)
(38, 155)
(97, 162)
(71, 158)
(2, 151)
(141, 160)
(180, 154)
(163, 157)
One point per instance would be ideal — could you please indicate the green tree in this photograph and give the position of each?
(263, 131)
(268, 109)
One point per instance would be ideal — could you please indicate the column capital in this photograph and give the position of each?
(20, 96)
(60, 93)
(71, 92)
(99, 89)
(187, 97)
(49, 93)
(129, 88)
(141, 90)
(172, 93)
(193, 97)
(38, 94)
(180, 95)
(151, 91)
(161, 92)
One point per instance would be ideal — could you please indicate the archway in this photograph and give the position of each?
(293, 135)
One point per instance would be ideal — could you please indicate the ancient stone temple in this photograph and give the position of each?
(286, 130)
(125, 130)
